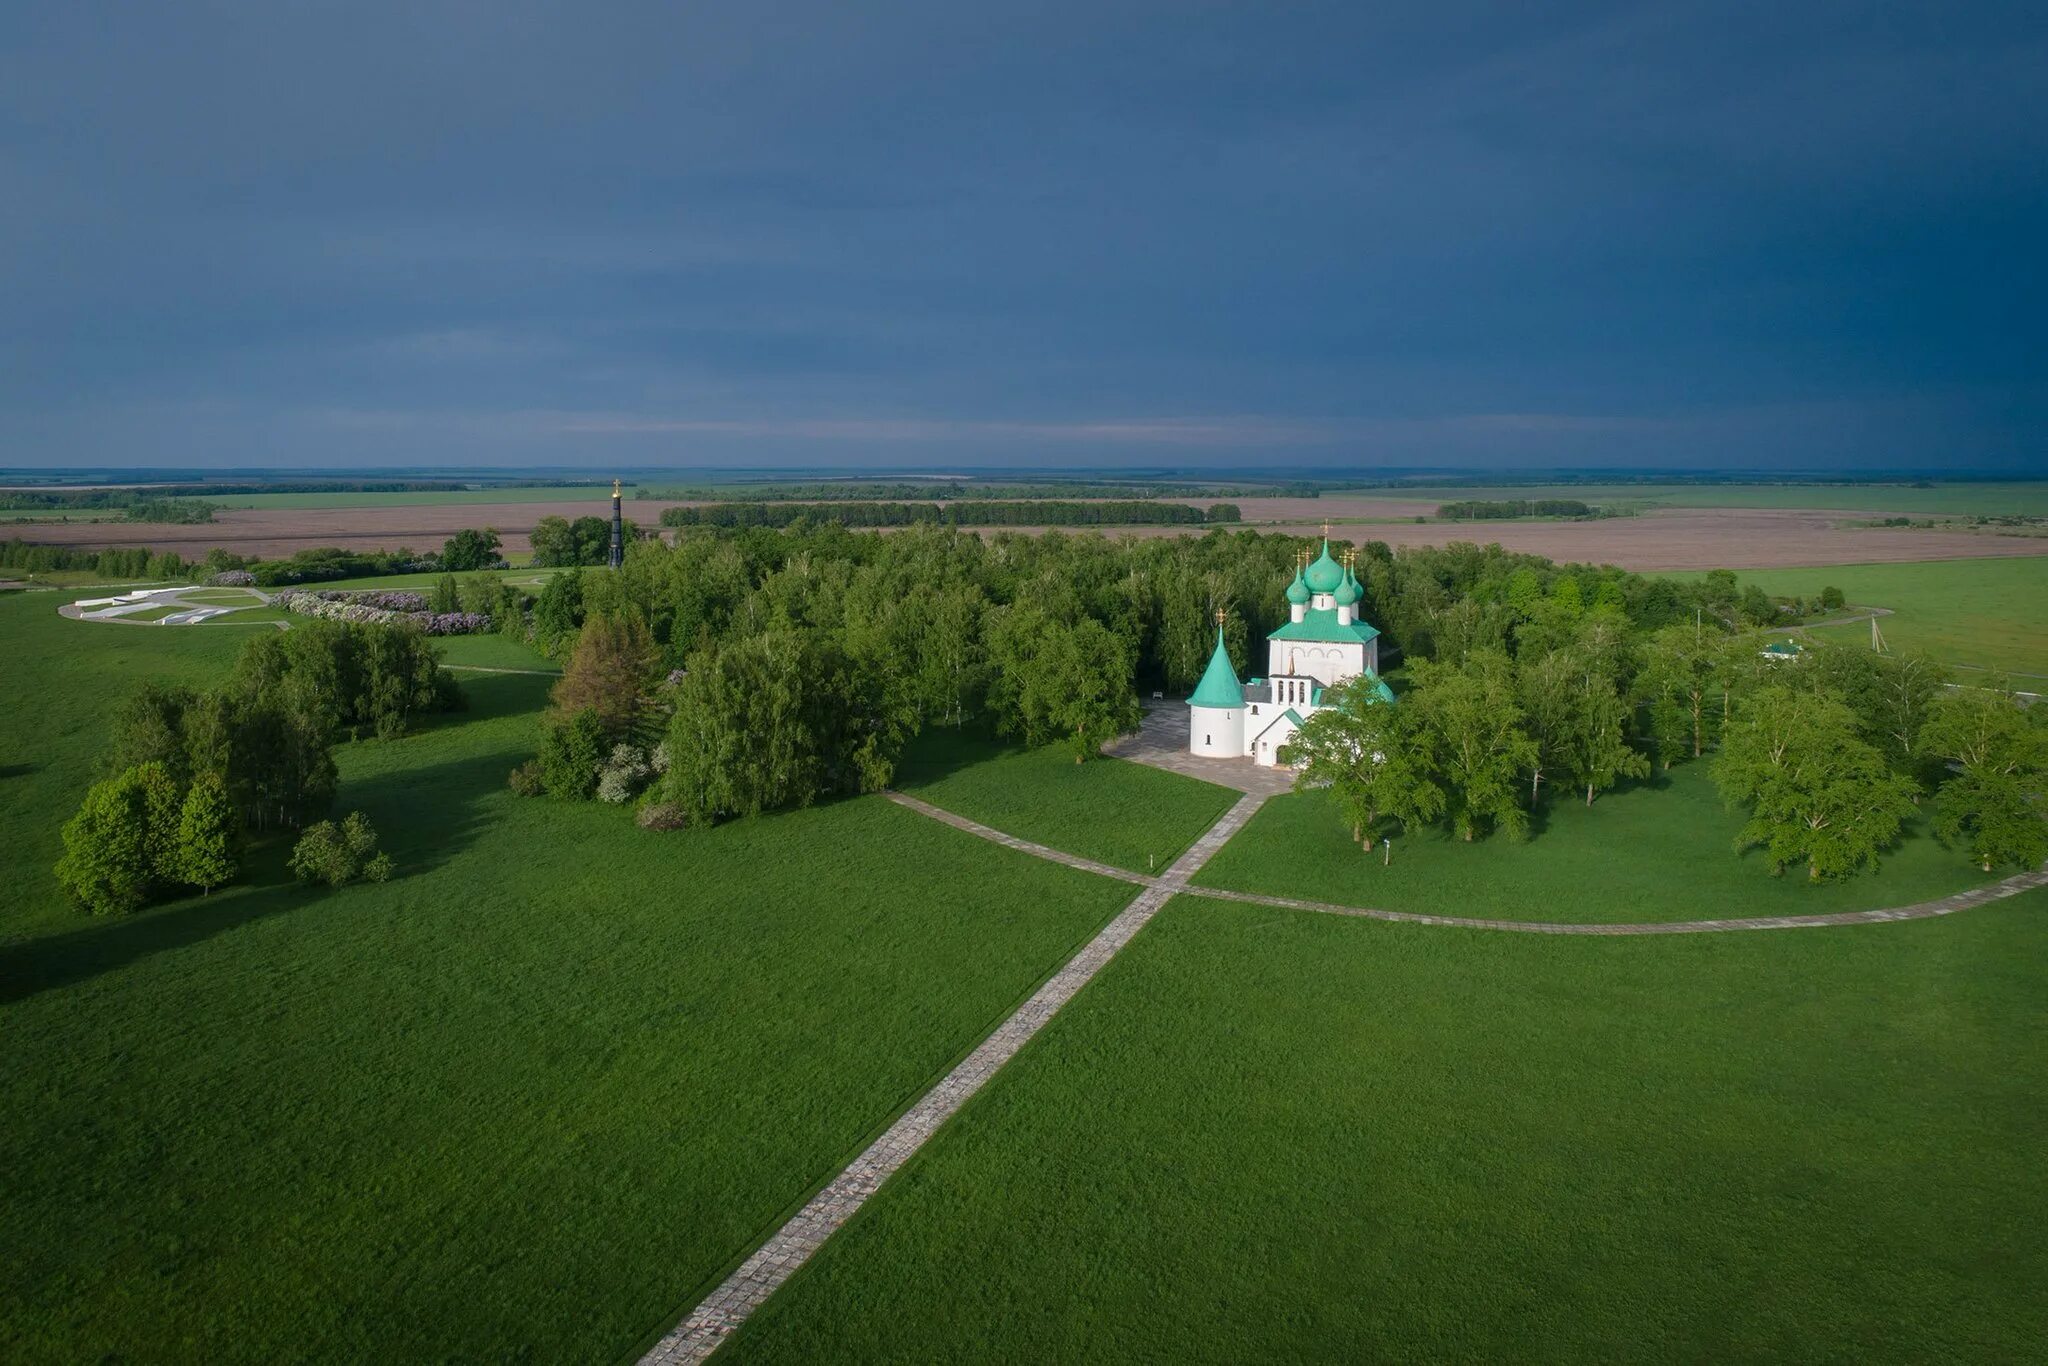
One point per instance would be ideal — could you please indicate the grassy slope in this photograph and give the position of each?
(1647, 853)
(493, 652)
(1265, 1135)
(526, 1100)
(1991, 613)
(1109, 810)
(1953, 499)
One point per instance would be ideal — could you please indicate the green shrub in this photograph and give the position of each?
(525, 779)
(663, 816)
(570, 753)
(340, 854)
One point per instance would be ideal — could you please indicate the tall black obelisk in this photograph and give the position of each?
(618, 556)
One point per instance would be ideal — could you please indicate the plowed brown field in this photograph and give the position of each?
(1671, 538)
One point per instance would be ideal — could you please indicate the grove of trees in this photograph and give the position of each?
(190, 774)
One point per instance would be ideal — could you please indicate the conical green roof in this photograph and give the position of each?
(1297, 592)
(1325, 574)
(1219, 686)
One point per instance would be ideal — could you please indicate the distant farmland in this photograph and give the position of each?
(1664, 539)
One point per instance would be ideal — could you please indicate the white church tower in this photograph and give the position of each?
(1216, 707)
(1323, 643)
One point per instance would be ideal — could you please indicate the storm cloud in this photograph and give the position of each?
(1773, 236)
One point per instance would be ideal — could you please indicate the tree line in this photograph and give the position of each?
(1828, 751)
(742, 670)
(469, 549)
(838, 646)
(561, 543)
(190, 775)
(1476, 509)
(968, 512)
(906, 491)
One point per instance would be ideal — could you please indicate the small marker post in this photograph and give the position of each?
(1387, 851)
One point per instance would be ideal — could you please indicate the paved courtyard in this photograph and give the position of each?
(1161, 741)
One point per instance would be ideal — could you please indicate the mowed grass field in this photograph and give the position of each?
(1991, 613)
(525, 1101)
(1657, 850)
(1114, 812)
(2027, 497)
(1277, 1136)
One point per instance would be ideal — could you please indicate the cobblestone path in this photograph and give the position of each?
(1924, 910)
(727, 1307)
(938, 813)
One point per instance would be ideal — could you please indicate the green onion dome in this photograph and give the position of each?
(1297, 592)
(1349, 591)
(1325, 574)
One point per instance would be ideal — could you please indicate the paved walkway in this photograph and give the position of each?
(120, 610)
(939, 813)
(727, 1307)
(1161, 741)
(1924, 910)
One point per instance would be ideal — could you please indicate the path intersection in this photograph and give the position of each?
(736, 1298)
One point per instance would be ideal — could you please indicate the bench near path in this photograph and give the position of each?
(775, 1261)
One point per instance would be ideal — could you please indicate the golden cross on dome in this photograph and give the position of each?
(1219, 616)
(615, 488)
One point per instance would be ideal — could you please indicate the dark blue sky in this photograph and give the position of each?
(1795, 235)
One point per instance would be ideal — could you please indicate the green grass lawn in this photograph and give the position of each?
(1276, 1136)
(1992, 613)
(1109, 810)
(1660, 851)
(492, 652)
(2018, 497)
(248, 616)
(223, 597)
(526, 1101)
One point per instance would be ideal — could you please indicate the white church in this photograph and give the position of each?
(1323, 643)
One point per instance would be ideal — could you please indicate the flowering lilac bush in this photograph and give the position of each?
(387, 600)
(450, 623)
(231, 578)
(346, 607)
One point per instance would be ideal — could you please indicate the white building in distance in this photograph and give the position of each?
(1323, 643)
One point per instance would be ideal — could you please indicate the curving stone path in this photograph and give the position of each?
(789, 1247)
(741, 1293)
(1924, 910)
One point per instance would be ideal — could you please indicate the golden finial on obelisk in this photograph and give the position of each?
(615, 490)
